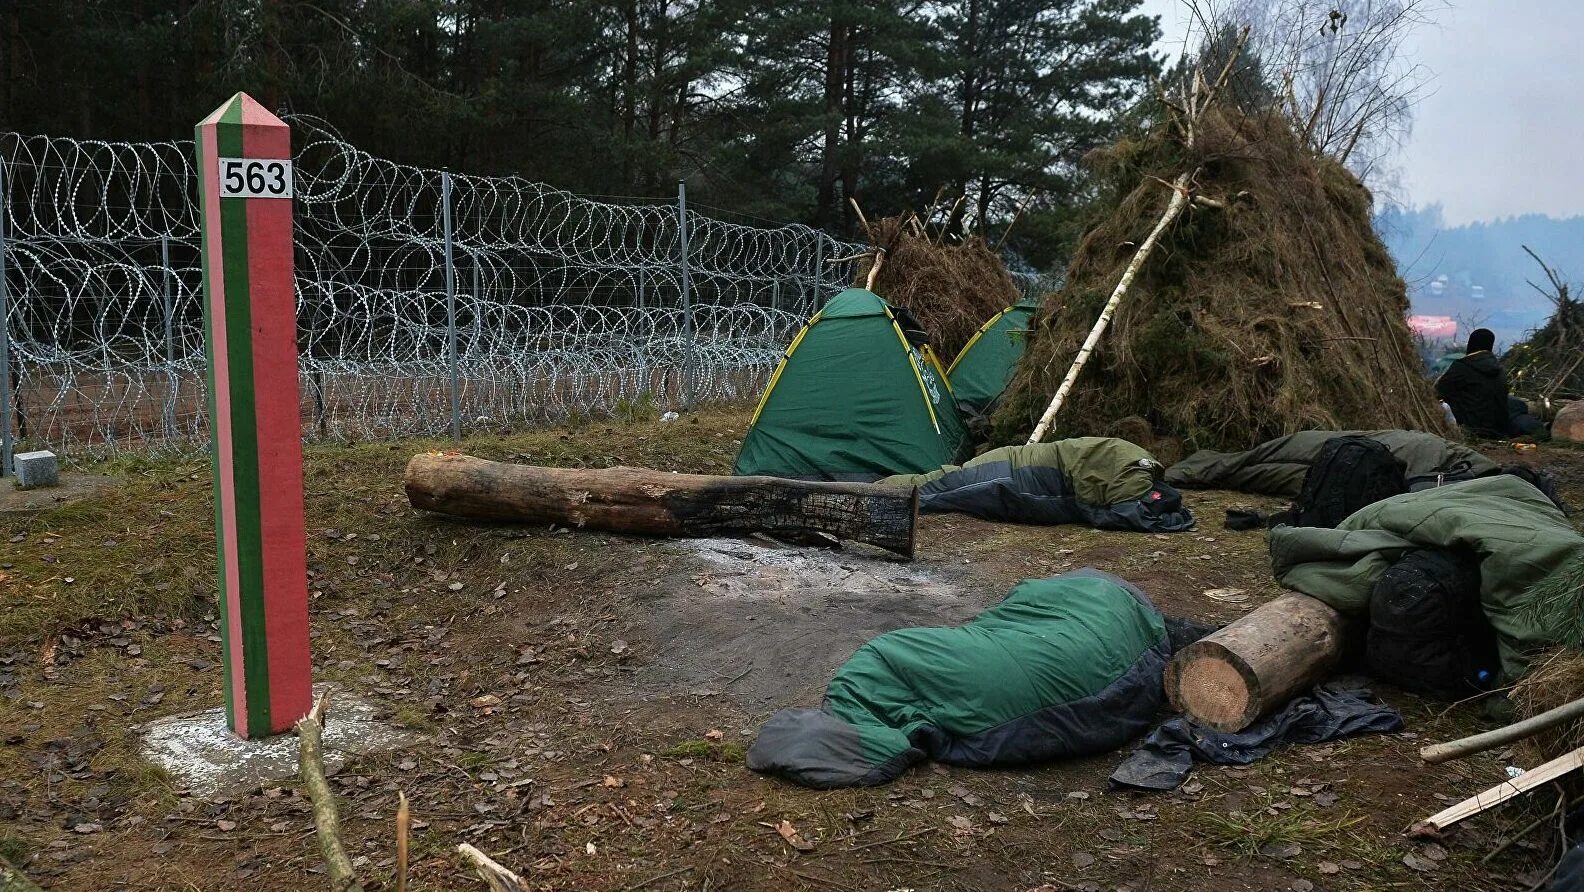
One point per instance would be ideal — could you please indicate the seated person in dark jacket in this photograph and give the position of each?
(1476, 389)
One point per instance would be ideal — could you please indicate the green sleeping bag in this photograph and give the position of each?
(1066, 666)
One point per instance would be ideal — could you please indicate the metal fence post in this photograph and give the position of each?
(451, 322)
(688, 331)
(819, 273)
(478, 318)
(170, 340)
(7, 439)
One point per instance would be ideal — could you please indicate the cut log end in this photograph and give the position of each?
(1219, 687)
(1231, 678)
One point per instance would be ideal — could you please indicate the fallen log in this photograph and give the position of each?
(1232, 677)
(1479, 743)
(656, 503)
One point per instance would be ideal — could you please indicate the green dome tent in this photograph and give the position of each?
(981, 371)
(853, 400)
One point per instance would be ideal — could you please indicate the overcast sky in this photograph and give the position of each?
(1502, 132)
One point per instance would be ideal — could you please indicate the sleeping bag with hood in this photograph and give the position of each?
(1065, 666)
(1277, 467)
(1104, 482)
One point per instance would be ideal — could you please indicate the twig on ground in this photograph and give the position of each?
(403, 828)
(498, 878)
(886, 842)
(655, 879)
(1509, 841)
(310, 732)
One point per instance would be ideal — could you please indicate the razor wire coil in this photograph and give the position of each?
(564, 305)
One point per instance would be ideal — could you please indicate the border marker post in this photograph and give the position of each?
(250, 335)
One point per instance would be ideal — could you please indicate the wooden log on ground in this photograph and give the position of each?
(656, 503)
(1230, 678)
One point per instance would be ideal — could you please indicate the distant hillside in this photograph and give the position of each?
(1475, 273)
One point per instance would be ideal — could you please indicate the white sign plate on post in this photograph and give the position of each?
(255, 177)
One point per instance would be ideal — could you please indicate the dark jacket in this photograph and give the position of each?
(1476, 389)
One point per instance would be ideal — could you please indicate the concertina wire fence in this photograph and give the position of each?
(563, 305)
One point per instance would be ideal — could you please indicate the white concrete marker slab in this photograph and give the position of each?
(202, 754)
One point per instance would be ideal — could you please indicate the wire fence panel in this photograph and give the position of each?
(563, 305)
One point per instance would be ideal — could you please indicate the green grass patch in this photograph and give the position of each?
(14, 848)
(708, 750)
(1247, 833)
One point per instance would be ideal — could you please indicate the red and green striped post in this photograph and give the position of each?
(250, 328)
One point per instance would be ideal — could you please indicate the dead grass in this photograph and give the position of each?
(1555, 679)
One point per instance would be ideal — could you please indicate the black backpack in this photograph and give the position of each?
(1428, 633)
(1350, 473)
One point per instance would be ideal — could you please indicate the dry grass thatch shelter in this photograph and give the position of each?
(1270, 306)
(951, 289)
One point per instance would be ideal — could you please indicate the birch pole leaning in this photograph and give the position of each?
(1197, 97)
(1174, 209)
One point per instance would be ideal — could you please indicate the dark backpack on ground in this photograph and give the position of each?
(1427, 632)
(1350, 473)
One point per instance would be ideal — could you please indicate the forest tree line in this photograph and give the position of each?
(782, 111)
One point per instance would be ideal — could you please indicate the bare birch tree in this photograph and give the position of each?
(1340, 70)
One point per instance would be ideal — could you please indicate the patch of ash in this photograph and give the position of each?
(767, 627)
(748, 571)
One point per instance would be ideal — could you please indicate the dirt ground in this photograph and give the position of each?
(583, 701)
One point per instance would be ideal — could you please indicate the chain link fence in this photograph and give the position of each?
(558, 305)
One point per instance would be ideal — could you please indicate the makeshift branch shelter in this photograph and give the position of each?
(1549, 364)
(951, 289)
(1269, 307)
(853, 399)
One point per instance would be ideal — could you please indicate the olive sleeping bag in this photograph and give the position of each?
(1277, 467)
(1066, 666)
(1104, 482)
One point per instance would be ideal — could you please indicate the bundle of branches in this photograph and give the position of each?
(951, 289)
(1550, 362)
(1269, 306)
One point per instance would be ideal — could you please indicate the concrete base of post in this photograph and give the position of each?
(37, 469)
(202, 755)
